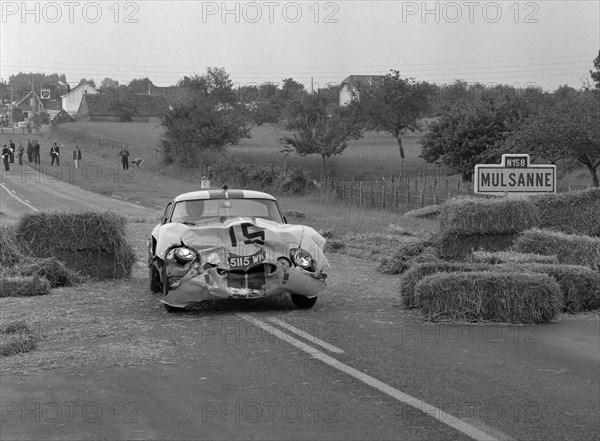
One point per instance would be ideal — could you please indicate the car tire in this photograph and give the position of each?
(154, 279)
(303, 302)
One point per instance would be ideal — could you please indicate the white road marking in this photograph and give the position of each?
(307, 336)
(438, 414)
(12, 193)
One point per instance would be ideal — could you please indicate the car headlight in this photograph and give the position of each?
(184, 255)
(302, 258)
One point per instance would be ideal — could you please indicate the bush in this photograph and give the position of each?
(571, 249)
(23, 286)
(580, 286)
(490, 296)
(576, 212)
(467, 216)
(91, 243)
(416, 273)
(407, 255)
(295, 182)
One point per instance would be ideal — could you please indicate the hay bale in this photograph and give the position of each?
(571, 249)
(52, 270)
(24, 286)
(467, 216)
(10, 254)
(404, 257)
(453, 247)
(16, 338)
(428, 212)
(490, 296)
(14, 327)
(90, 243)
(576, 212)
(580, 286)
(416, 273)
(510, 257)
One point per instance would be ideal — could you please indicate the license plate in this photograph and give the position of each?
(241, 262)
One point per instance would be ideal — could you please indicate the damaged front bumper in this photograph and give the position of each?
(256, 281)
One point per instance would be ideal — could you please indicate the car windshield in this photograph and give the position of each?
(197, 211)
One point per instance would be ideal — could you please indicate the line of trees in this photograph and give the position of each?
(477, 126)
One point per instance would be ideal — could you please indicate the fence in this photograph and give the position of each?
(398, 193)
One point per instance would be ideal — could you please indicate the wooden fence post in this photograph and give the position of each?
(383, 196)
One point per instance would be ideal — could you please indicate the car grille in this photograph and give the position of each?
(254, 278)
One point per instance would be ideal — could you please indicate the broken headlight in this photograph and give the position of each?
(303, 259)
(184, 255)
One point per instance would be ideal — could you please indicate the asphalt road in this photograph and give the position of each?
(354, 367)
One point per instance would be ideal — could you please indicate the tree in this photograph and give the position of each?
(569, 130)
(108, 83)
(214, 86)
(394, 105)
(41, 118)
(198, 132)
(291, 90)
(318, 128)
(467, 133)
(84, 80)
(596, 75)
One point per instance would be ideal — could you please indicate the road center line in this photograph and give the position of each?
(434, 412)
(307, 336)
(11, 193)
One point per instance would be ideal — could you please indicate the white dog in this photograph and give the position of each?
(138, 162)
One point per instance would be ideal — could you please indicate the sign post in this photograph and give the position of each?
(515, 177)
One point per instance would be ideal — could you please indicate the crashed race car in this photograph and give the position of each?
(233, 244)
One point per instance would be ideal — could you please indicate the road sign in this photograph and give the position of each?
(515, 176)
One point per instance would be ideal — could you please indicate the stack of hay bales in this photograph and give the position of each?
(570, 249)
(576, 212)
(468, 224)
(91, 243)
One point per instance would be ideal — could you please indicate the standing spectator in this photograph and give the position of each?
(36, 152)
(76, 156)
(6, 157)
(29, 151)
(11, 146)
(55, 154)
(20, 151)
(125, 158)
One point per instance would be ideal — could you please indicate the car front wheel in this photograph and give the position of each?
(303, 302)
(154, 279)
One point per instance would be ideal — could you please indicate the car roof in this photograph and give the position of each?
(220, 194)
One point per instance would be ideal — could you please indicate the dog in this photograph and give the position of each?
(138, 162)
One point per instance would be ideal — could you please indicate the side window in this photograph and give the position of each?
(167, 213)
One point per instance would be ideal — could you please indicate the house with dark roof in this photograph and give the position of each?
(34, 103)
(104, 107)
(350, 84)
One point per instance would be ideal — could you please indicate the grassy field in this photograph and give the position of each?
(371, 157)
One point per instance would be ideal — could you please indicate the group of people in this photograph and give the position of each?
(33, 153)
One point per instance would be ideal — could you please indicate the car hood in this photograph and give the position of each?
(241, 236)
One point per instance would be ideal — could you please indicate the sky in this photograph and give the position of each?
(318, 43)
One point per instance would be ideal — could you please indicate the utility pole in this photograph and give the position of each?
(312, 91)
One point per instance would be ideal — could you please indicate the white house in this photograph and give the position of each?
(72, 100)
(350, 83)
